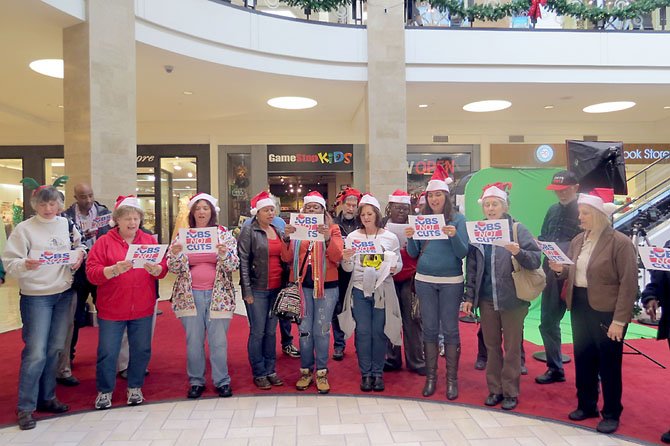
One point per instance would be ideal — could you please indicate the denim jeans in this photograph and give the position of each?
(217, 335)
(315, 328)
(285, 327)
(369, 336)
(45, 325)
(109, 344)
(440, 304)
(262, 333)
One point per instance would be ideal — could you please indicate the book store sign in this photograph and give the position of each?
(310, 158)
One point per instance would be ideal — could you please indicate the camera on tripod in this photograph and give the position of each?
(644, 218)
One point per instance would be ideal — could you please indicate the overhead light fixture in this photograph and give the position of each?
(292, 102)
(548, 107)
(177, 167)
(48, 67)
(60, 106)
(188, 93)
(487, 106)
(667, 107)
(608, 107)
(423, 105)
(190, 174)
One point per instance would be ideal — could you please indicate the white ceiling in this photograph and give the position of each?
(30, 30)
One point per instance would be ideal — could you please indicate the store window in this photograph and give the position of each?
(239, 174)
(11, 195)
(53, 169)
(146, 193)
(179, 182)
(420, 167)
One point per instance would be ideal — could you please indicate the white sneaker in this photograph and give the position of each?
(135, 396)
(103, 400)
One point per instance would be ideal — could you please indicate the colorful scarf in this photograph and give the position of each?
(318, 252)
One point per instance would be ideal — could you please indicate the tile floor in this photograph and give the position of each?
(302, 420)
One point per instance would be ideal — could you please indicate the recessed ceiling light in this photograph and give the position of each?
(60, 105)
(177, 167)
(667, 107)
(190, 174)
(188, 93)
(423, 105)
(548, 107)
(48, 67)
(292, 102)
(487, 106)
(607, 107)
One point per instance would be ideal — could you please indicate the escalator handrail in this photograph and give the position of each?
(663, 158)
(644, 195)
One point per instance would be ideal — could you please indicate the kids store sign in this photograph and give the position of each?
(311, 158)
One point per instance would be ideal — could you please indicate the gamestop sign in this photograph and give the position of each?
(646, 153)
(310, 158)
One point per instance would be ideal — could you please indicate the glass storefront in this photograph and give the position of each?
(11, 195)
(239, 194)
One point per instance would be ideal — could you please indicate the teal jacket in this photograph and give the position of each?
(441, 258)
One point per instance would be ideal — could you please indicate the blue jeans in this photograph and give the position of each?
(440, 304)
(369, 337)
(217, 335)
(109, 343)
(45, 326)
(315, 328)
(262, 333)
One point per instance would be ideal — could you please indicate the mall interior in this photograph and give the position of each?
(163, 98)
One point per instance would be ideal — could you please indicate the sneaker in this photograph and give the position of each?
(291, 351)
(305, 379)
(442, 350)
(480, 364)
(103, 401)
(26, 420)
(275, 380)
(262, 383)
(322, 381)
(135, 396)
(338, 353)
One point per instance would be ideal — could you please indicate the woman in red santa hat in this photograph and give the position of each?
(203, 297)
(259, 248)
(314, 266)
(600, 292)
(489, 286)
(126, 301)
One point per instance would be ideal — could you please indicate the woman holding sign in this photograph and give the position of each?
(600, 291)
(45, 286)
(126, 298)
(439, 279)
(489, 286)
(371, 303)
(314, 266)
(203, 296)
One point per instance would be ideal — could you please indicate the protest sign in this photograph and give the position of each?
(428, 227)
(363, 247)
(655, 258)
(47, 258)
(306, 226)
(199, 240)
(101, 220)
(399, 230)
(138, 255)
(489, 232)
(554, 253)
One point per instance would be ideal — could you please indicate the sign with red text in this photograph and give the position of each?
(554, 253)
(102, 220)
(306, 226)
(363, 247)
(55, 258)
(428, 227)
(138, 255)
(655, 258)
(199, 240)
(489, 232)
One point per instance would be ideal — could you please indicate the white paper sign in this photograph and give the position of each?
(371, 246)
(554, 253)
(48, 258)
(306, 226)
(399, 231)
(199, 240)
(102, 220)
(138, 255)
(655, 258)
(489, 232)
(428, 227)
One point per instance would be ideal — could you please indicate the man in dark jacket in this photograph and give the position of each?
(655, 294)
(88, 216)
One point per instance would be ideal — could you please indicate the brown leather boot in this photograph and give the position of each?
(453, 354)
(430, 351)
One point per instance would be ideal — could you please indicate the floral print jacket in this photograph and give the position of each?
(223, 294)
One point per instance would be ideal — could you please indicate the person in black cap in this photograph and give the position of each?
(560, 225)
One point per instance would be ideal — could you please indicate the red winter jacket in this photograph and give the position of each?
(131, 295)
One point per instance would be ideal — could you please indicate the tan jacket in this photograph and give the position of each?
(611, 274)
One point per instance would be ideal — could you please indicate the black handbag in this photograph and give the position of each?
(288, 304)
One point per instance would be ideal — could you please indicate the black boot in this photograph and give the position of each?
(453, 354)
(430, 351)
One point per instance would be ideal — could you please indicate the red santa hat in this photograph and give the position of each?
(440, 180)
(600, 199)
(420, 202)
(369, 199)
(349, 192)
(314, 197)
(204, 196)
(400, 196)
(260, 201)
(496, 190)
(130, 201)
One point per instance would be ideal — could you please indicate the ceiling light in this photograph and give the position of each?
(423, 105)
(48, 67)
(188, 187)
(190, 174)
(607, 107)
(188, 93)
(60, 106)
(548, 107)
(292, 102)
(667, 107)
(487, 106)
(177, 167)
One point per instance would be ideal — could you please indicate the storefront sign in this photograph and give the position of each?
(311, 158)
(427, 167)
(489, 232)
(138, 255)
(645, 153)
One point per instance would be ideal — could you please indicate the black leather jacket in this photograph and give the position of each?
(252, 248)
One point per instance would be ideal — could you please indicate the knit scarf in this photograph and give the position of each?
(318, 265)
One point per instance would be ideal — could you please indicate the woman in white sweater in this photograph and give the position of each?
(46, 297)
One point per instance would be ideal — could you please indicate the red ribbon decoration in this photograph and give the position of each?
(535, 12)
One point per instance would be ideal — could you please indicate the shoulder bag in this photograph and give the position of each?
(288, 304)
(529, 283)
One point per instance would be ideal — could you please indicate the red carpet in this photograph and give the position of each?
(646, 385)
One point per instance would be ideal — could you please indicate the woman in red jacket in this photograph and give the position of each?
(126, 299)
(314, 264)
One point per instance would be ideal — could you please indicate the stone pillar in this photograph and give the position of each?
(386, 101)
(99, 96)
